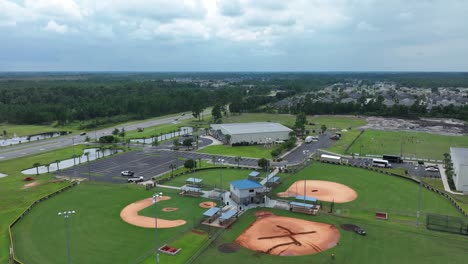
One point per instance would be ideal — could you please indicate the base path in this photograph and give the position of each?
(322, 190)
(286, 236)
(130, 215)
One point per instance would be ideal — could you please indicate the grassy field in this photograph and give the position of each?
(376, 192)
(14, 199)
(152, 131)
(335, 122)
(212, 177)
(97, 233)
(386, 242)
(25, 130)
(423, 145)
(257, 151)
(437, 183)
(345, 141)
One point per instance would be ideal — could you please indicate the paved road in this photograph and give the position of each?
(15, 151)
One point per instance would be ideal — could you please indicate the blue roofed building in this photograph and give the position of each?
(245, 192)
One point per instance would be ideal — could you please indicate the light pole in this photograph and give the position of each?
(74, 157)
(306, 153)
(419, 203)
(221, 182)
(66, 215)
(155, 200)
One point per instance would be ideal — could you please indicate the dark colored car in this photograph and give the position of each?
(360, 231)
(127, 173)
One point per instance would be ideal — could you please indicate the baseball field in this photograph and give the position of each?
(99, 234)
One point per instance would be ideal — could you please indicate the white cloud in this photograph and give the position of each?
(364, 26)
(55, 8)
(53, 26)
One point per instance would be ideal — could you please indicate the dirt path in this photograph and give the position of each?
(130, 215)
(322, 190)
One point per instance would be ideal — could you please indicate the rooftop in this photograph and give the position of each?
(248, 128)
(246, 184)
(461, 153)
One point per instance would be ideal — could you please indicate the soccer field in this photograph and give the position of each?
(420, 145)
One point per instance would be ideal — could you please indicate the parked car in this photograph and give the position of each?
(127, 173)
(432, 169)
(360, 231)
(82, 133)
(135, 179)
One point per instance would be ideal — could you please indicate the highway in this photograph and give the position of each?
(31, 148)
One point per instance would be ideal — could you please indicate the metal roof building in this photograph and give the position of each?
(460, 168)
(257, 132)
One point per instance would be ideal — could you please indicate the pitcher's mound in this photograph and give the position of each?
(207, 204)
(169, 209)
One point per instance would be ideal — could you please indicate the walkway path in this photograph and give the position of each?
(445, 181)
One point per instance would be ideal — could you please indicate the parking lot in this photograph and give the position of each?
(415, 170)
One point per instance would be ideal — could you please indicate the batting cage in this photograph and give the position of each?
(447, 223)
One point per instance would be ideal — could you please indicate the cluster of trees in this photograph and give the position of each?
(285, 146)
(38, 102)
(449, 170)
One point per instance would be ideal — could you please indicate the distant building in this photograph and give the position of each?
(460, 168)
(252, 133)
(245, 192)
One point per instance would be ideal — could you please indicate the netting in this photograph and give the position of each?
(446, 223)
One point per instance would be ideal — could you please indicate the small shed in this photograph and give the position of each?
(194, 182)
(227, 216)
(212, 214)
(191, 191)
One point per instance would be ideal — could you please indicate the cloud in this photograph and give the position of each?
(364, 26)
(53, 26)
(231, 8)
(55, 8)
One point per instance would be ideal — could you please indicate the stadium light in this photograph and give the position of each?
(305, 152)
(155, 200)
(66, 215)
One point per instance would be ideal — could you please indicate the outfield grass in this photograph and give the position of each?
(257, 151)
(437, 183)
(14, 200)
(376, 192)
(423, 145)
(213, 177)
(189, 243)
(386, 242)
(97, 233)
(25, 130)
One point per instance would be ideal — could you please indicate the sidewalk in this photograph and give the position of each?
(445, 181)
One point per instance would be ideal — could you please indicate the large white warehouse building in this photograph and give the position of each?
(460, 168)
(258, 132)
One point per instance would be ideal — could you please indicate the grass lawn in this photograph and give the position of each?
(437, 183)
(423, 145)
(386, 242)
(189, 243)
(213, 177)
(97, 233)
(376, 192)
(153, 131)
(257, 151)
(25, 130)
(345, 141)
(14, 200)
(337, 122)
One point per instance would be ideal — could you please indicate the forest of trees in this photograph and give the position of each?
(97, 98)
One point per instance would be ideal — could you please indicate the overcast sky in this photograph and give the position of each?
(234, 35)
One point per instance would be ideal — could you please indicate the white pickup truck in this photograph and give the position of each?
(135, 179)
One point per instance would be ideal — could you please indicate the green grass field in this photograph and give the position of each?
(386, 242)
(25, 130)
(337, 122)
(97, 233)
(346, 139)
(257, 151)
(212, 177)
(14, 200)
(422, 145)
(376, 192)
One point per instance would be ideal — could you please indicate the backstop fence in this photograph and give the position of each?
(446, 223)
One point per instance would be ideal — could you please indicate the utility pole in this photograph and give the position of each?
(155, 200)
(67, 215)
(419, 203)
